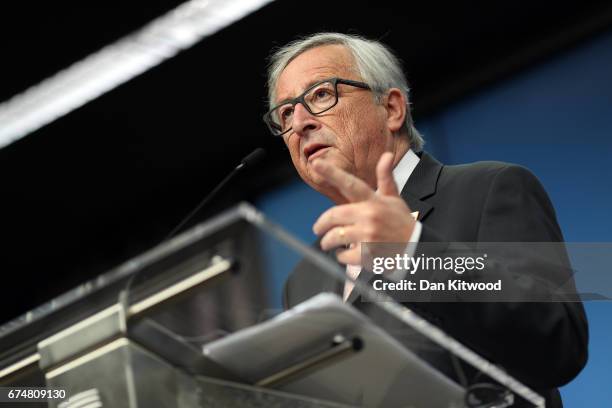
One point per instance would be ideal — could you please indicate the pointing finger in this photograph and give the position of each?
(384, 175)
(351, 187)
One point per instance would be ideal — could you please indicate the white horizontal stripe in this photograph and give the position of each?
(117, 63)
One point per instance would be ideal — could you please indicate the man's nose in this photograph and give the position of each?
(303, 121)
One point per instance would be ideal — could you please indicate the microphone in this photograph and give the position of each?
(250, 160)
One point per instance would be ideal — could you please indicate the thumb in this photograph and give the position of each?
(384, 175)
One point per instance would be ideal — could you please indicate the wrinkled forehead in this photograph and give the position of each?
(312, 66)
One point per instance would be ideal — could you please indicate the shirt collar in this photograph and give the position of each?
(404, 169)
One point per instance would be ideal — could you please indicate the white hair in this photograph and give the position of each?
(376, 64)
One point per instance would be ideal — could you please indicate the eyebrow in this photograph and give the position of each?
(308, 85)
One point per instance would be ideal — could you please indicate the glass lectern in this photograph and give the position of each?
(199, 321)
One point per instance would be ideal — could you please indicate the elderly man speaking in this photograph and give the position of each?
(340, 103)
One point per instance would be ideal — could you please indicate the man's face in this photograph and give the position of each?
(352, 135)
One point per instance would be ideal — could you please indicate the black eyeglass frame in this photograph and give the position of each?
(300, 99)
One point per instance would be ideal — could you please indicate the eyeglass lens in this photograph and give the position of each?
(317, 100)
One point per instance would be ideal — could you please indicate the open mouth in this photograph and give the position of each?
(314, 150)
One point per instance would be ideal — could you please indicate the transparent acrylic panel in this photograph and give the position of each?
(234, 327)
(212, 301)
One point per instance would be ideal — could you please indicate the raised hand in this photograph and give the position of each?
(369, 216)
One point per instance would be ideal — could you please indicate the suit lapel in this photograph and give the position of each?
(422, 184)
(417, 205)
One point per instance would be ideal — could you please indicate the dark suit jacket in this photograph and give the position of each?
(542, 344)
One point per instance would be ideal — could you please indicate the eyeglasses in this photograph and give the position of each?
(317, 99)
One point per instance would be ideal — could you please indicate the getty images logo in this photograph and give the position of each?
(85, 399)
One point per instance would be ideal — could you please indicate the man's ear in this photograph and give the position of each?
(396, 106)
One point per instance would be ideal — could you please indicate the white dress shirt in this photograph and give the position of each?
(401, 173)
